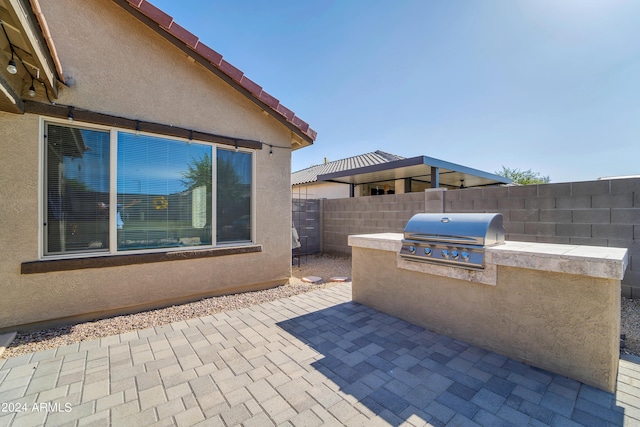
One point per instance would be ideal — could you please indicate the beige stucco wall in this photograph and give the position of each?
(121, 67)
(321, 190)
(565, 323)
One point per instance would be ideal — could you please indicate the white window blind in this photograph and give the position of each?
(164, 192)
(76, 189)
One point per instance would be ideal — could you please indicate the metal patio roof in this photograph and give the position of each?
(438, 173)
(310, 174)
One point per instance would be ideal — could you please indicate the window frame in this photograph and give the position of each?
(113, 183)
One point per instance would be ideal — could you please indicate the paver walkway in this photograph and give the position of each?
(313, 359)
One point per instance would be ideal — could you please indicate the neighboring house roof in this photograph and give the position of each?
(164, 25)
(310, 174)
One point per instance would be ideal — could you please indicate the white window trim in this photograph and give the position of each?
(113, 150)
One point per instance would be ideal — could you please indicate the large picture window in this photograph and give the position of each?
(165, 192)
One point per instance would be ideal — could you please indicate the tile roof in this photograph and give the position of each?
(310, 174)
(168, 26)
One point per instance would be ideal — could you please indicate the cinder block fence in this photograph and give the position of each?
(598, 213)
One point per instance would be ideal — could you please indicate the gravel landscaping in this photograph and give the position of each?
(630, 326)
(325, 267)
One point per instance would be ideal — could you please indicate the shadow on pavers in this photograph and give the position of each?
(400, 371)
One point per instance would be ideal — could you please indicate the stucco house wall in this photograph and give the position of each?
(333, 190)
(119, 66)
(320, 190)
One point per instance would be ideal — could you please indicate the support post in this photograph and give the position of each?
(435, 177)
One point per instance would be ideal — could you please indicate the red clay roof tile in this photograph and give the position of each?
(190, 40)
(231, 71)
(300, 123)
(285, 112)
(154, 13)
(209, 54)
(251, 86)
(311, 133)
(183, 35)
(269, 100)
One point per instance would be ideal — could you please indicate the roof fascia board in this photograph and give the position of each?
(31, 32)
(414, 161)
(209, 66)
(430, 161)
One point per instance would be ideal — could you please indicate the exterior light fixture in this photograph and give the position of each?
(11, 68)
(271, 150)
(32, 90)
(70, 116)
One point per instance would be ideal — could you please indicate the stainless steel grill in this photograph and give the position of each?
(453, 239)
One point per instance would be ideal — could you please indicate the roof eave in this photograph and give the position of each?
(357, 175)
(36, 32)
(10, 101)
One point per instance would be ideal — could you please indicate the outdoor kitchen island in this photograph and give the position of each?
(556, 307)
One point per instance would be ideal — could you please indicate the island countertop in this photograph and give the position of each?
(595, 261)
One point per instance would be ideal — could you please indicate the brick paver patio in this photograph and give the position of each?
(309, 360)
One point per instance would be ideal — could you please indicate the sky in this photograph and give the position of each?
(551, 86)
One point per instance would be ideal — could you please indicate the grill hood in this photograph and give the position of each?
(453, 239)
(479, 229)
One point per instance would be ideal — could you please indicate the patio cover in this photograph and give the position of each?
(421, 168)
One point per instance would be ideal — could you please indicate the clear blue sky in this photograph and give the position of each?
(547, 85)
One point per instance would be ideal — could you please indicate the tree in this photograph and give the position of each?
(199, 173)
(527, 177)
(229, 187)
(229, 183)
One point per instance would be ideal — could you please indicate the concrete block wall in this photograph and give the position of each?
(597, 213)
(373, 214)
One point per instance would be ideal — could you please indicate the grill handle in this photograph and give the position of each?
(445, 239)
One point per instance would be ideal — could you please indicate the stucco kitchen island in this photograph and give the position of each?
(556, 307)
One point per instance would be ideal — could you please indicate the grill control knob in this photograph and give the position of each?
(454, 254)
(465, 256)
(412, 249)
(445, 253)
(427, 251)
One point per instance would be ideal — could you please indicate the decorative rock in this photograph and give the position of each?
(5, 340)
(311, 279)
(339, 279)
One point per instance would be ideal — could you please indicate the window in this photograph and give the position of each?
(233, 190)
(77, 190)
(378, 188)
(164, 193)
(113, 191)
